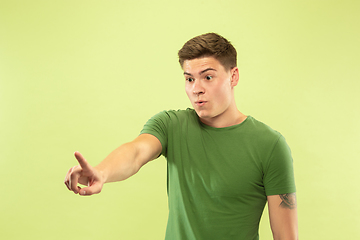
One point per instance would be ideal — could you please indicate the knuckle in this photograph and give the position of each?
(66, 184)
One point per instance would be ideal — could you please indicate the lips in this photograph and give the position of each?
(200, 103)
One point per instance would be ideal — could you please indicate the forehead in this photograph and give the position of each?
(199, 64)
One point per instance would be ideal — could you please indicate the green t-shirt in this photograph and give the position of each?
(218, 178)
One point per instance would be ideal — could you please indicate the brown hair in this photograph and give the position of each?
(209, 45)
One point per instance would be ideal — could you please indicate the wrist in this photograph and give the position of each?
(102, 174)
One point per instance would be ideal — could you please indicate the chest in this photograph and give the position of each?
(216, 164)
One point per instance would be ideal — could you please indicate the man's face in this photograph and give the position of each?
(210, 87)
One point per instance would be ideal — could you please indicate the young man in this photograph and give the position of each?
(223, 166)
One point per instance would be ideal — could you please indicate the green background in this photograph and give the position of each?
(86, 75)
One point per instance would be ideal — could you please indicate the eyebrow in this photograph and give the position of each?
(205, 70)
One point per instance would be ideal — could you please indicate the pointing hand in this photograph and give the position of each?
(83, 174)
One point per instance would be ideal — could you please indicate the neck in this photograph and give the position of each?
(226, 119)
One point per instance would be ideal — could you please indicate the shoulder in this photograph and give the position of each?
(175, 114)
(168, 118)
(263, 137)
(260, 129)
(181, 113)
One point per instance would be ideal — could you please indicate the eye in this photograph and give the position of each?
(208, 77)
(189, 79)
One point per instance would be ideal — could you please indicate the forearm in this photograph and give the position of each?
(120, 164)
(286, 233)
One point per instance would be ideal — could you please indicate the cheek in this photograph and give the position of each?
(223, 100)
(223, 92)
(188, 92)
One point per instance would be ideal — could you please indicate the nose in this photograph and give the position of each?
(198, 88)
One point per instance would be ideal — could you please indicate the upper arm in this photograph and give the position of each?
(148, 147)
(283, 216)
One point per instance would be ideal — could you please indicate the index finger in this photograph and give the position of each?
(82, 161)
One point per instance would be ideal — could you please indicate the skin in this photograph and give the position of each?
(210, 88)
(283, 216)
(121, 164)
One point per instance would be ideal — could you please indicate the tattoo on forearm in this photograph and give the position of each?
(288, 200)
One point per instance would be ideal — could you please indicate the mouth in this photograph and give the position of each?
(200, 103)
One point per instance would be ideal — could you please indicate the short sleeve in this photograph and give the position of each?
(158, 127)
(279, 171)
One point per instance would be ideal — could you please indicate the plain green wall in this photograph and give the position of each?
(86, 75)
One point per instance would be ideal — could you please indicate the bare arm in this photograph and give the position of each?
(283, 216)
(121, 164)
(127, 159)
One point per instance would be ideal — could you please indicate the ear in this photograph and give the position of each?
(234, 76)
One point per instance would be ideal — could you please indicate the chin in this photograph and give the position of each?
(203, 114)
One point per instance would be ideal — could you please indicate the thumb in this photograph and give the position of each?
(82, 161)
(93, 189)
